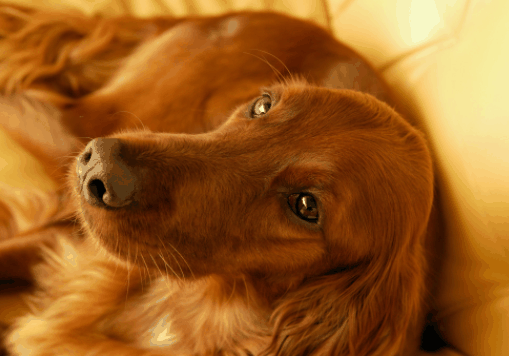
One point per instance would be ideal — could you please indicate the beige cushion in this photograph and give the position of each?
(449, 61)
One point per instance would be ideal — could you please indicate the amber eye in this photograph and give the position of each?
(261, 106)
(304, 206)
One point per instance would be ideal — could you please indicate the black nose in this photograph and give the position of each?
(105, 179)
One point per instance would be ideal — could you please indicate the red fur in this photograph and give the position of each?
(213, 254)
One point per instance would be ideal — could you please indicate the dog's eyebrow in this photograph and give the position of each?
(270, 91)
(315, 164)
(310, 161)
(305, 172)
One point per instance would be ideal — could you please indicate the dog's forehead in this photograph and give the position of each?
(329, 128)
(318, 119)
(347, 108)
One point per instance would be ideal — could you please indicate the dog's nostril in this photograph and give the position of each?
(97, 189)
(86, 157)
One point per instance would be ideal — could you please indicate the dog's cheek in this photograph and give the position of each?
(274, 241)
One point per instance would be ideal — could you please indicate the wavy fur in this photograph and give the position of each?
(216, 263)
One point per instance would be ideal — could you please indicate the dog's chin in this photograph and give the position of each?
(156, 260)
(111, 231)
(117, 223)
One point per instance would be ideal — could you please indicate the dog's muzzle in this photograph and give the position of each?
(105, 179)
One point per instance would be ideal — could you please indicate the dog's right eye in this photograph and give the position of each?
(261, 106)
(304, 206)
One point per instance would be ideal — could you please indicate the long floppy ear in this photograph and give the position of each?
(374, 307)
(355, 73)
(367, 310)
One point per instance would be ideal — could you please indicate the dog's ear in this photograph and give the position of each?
(376, 306)
(356, 74)
(367, 310)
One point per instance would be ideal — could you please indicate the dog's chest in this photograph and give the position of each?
(191, 319)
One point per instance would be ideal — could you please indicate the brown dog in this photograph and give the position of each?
(245, 195)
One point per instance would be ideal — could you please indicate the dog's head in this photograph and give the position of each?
(299, 177)
(306, 182)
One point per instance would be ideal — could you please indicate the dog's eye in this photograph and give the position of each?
(304, 206)
(261, 106)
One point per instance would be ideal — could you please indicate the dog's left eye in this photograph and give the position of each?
(261, 106)
(304, 206)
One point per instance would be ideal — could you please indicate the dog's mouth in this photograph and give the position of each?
(117, 209)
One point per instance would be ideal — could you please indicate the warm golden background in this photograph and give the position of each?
(449, 59)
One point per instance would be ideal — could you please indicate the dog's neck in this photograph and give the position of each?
(183, 315)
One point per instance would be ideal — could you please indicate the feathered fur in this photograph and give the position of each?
(214, 262)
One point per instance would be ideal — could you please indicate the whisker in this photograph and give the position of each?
(274, 69)
(136, 259)
(133, 114)
(117, 251)
(129, 267)
(247, 292)
(280, 61)
(183, 259)
(172, 255)
(166, 269)
(155, 263)
(233, 290)
(146, 266)
(168, 266)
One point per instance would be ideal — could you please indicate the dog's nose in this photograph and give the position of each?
(105, 179)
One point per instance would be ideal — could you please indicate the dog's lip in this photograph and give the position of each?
(102, 205)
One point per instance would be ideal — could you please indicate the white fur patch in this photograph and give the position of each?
(161, 333)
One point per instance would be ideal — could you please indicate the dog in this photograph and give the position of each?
(229, 185)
